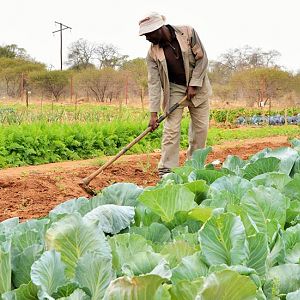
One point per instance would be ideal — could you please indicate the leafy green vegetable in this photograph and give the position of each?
(143, 287)
(228, 285)
(72, 237)
(190, 268)
(223, 241)
(111, 218)
(261, 166)
(24, 292)
(265, 207)
(48, 272)
(200, 233)
(167, 201)
(94, 273)
(5, 267)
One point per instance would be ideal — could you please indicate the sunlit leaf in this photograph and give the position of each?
(167, 201)
(223, 241)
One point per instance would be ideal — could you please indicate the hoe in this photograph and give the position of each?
(84, 184)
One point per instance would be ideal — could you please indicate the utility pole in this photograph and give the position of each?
(62, 27)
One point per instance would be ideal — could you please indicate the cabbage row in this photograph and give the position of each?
(269, 120)
(204, 231)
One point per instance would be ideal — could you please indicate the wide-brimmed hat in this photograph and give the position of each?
(151, 22)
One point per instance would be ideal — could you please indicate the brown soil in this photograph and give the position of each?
(31, 192)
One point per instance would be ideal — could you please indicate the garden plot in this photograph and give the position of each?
(199, 233)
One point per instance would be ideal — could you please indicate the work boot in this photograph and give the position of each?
(163, 171)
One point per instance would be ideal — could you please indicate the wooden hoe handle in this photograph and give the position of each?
(84, 184)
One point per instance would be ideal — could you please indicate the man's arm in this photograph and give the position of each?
(154, 85)
(200, 69)
(154, 89)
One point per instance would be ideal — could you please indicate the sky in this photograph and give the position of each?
(221, 25)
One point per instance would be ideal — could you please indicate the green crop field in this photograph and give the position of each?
(42, 142)
(59, 132)
(230, 233)
(17, 113)
(85, 213)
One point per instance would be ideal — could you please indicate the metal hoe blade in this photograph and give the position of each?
(87, 189)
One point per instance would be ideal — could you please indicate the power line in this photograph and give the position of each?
(62, 27)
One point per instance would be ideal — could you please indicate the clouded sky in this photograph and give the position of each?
(221, 25)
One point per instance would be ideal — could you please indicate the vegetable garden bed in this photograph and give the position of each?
(200, 233)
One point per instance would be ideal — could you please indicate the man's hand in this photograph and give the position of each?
(153, 121)
(191, 92)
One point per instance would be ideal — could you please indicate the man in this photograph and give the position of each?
(177, 65)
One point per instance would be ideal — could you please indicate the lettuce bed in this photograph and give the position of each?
(201, 233)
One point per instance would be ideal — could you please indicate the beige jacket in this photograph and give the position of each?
(195, 65)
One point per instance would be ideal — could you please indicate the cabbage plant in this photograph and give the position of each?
(230, 232)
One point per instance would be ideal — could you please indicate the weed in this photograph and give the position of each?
(60, 186)
(145, 164)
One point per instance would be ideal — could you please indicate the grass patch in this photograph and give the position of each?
(219, 135)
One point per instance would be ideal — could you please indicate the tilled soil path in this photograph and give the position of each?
(31, 192)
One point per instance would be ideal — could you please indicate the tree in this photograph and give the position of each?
(14, 73)
(52, 83)
(116, 85)
(13, 51)
(137, 69)
(218, 72)
(81, 54)
(235, 60)
(262, 84)
(247, 57)
(223, 91)
(108, 56)
(101, 84)
(296, 83)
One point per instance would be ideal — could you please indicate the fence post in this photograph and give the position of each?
(285, 116)
(71, 87)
